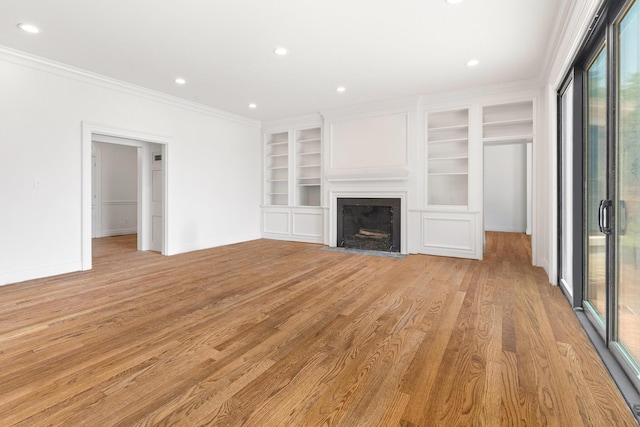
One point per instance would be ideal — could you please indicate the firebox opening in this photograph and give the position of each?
(369, 224)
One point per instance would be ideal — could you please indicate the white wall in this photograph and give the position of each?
(118, 192)
(214, 164)
(505, 188)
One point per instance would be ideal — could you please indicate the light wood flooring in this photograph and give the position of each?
(268, 333)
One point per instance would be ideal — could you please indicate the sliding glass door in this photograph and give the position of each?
(596, 171)
(606, 81)
(626, 289)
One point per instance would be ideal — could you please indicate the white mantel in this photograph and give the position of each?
(370, 153)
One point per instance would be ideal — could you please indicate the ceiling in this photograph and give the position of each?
(376, 49)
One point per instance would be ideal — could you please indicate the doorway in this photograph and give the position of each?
(506, 187)
(114, 200)
(151, 215)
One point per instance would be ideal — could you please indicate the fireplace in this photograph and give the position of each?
(369, 224)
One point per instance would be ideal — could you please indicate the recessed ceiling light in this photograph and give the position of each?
(29, 28)
(252, 105)
(453, 1)
(341, 89)
(281, 51)
(473, 63)
(180, 81)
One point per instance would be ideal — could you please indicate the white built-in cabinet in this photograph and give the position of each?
(308, 177)
(448, 158)
(507, 123)
(452, 215)
(292, 204)
(450, 221)
(277, 169)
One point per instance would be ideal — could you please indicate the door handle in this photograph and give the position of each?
(604, 218)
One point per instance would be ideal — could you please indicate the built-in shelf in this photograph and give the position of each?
(527, 120)
(276, 169)
(292, 208)
(304, 141)
(508, 138)
(447, 141)
(308, 160)
(448, 158)
(508, 122)
(448, 173)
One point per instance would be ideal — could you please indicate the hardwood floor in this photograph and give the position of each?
(278, 333)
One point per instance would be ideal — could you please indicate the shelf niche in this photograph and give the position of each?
(507, 122)
(448, 158)
(308, 167)
(277, 169)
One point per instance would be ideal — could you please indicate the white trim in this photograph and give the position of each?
(297, 123)
(119, 202)
(31, 273)
(568, 288)
(119, 232)
(372, 109)
(42, 64)
(382, 178)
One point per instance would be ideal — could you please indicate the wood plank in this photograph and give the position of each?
(283, 333)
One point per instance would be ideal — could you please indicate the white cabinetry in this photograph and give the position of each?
(448, 158)
(292, 185)
(507, 123)
(277, 169)
(451, 220)
(308, 167)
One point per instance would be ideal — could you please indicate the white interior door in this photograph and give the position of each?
(156, 200)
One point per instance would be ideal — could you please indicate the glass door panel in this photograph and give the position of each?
(627, 287)
(596, 187)
(566, 190)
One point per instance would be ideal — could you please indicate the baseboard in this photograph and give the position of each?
(504, 228)
(120, 232)
(11, 277)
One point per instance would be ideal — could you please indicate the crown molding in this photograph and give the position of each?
(388, 106)
(308, 120)
(24, 59)
(522, 88)
(558, 32)
(576, 26)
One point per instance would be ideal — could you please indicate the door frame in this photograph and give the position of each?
(141, 141)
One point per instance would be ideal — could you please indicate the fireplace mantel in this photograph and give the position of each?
(366, 193)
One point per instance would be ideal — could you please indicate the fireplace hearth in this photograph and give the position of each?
(369, 224)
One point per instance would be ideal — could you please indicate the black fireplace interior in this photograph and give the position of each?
(370, 224)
